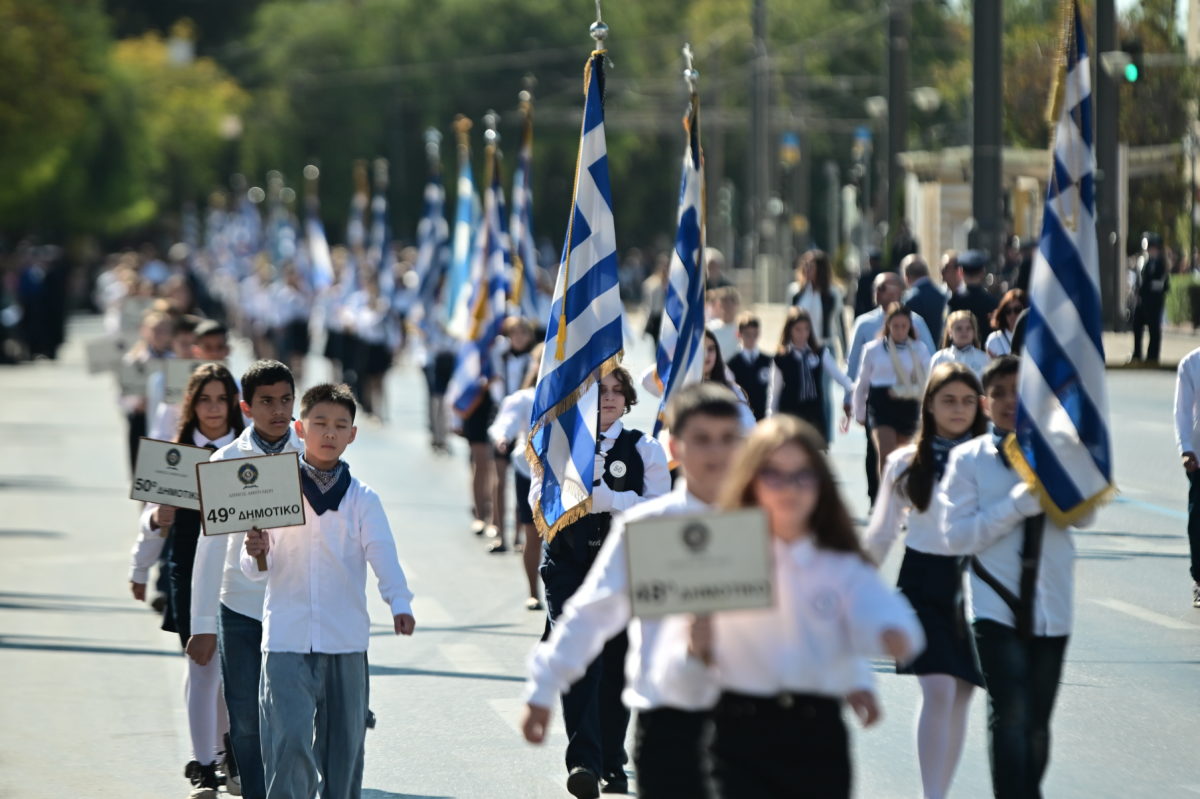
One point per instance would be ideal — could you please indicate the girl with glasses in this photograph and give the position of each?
(1004, 322)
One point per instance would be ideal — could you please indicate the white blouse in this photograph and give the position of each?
(970, 356)
(999, 343)
(877, 369)
(893, 514)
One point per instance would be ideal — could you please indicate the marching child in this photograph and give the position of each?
(511, 357)
(313, 689)
(798, 373)
(750, 366)
(930, 577)
(960, 344)
(778, 675)
(155, 343)
(227, 607)
(211, 418)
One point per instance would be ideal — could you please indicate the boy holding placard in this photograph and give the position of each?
(313, 690)
(219, 589)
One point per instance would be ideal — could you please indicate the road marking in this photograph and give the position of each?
(1171, 513)
(1138, 612)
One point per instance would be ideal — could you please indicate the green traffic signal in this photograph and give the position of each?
(1131, 73)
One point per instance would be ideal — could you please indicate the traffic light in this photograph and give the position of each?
(1133, 69)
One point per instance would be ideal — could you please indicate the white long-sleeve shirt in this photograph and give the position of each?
(878, 370)
(999, 343)
(1187, 404)
(982, 510)
(831, 610)
(512, 424)
(866, 329)
(599, 610)
(649, 381)
(316, 578)
(971, 356)
(828, 364)
(656, 476)
(893, 513)
(149, 545)
(217, 577)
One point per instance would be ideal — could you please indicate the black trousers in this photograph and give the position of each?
(872, 465)
(1021, 676)
(1193, 526)
(137, 429)
(789, 747)
(668, 754)
(1147, 314)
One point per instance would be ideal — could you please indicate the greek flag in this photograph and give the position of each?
(318, 251)
(527, 297)
(379, 253)
(466, 218)
(583, 334)
(1061, 447)
(489, 300)
(432, 234)
(680, 358)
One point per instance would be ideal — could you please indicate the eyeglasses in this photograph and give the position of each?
(1014, 310)
(777, 480)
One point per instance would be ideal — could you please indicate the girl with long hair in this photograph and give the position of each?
(931, 579)
(1004, 323)
(715, 371)
(799, 371)
(960, 344)
(210, 417)
(891, 381)
(779, 675)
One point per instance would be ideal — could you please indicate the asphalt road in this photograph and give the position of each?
(91, 689)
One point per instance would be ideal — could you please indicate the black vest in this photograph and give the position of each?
(753, 377)
(582, 538)
(812, 411)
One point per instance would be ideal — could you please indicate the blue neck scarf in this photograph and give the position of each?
(322, 488)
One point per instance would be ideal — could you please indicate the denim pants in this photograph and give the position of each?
(313, 715)
(239, 639)
(1022, 677)
(593, 713)
(1193, 525)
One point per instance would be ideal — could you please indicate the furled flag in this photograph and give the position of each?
(432, 231)
(583, 333)
(379, 248)
(321, 274)
(527, 295)
(680, 357)
(488, 301)
(466, 219)
(1062, 447)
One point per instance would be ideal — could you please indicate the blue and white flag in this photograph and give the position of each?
(432, 240)
(527, 295)
(1062, 447)
(321, 276)
(379, 248)
(488, 304)
(680, 357)
(466, 219)
(583, 333)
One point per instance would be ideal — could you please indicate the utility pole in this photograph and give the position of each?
(987, 188)
(899, 34)
(1108, 97)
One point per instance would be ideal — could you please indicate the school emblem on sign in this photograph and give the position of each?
(248, 474)
(618, 469)
(695, 537)
(173, 457)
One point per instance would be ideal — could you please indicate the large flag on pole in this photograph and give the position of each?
(466, 217)
(680, 357)
(1062, 447)
(527, 295)
(583, 334)
(379, 252)
(488, 304)
(432, 231)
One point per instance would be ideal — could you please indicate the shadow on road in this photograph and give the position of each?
(60, 603)
(40, 643)
(400, 671)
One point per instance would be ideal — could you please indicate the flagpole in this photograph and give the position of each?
(599, 33)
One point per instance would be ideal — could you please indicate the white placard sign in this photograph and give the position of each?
(133, 376)
(178, 371)
(103, 354)
(700, 563)
(262, 492)
(133, 310)
(166, 473)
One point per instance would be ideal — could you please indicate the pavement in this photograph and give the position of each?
(91, 689)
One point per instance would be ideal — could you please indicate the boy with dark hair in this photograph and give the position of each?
(1020, 590)
(313, 688)
(750, 366)
(227, 607)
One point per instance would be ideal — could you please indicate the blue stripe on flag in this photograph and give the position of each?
(1060, 252)
(599, 172)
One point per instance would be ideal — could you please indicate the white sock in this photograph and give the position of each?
(933, 731)
(202, 693)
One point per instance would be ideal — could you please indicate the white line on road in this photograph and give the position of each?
(1138, 612)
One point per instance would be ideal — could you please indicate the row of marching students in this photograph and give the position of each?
(750, 703)
(276, 683)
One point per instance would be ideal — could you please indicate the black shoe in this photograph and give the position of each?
(1196, 595)
(158, 603)
(617, 782)
(203, 778)
(370, 719)
(498, 546)
(583, 783)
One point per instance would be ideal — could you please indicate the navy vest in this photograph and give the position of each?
(753, 377)
(811, 411)
(623, 471)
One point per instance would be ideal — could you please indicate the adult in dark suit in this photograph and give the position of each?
(1149, 297)
(923, 297)
(977, 299)
(864, 294)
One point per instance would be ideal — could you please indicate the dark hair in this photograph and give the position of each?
(822, 271)
(1000, 367)
(916, 481)
(185, 323)
(748, 319)
(701, 399)
(265, 372)
(1010, 297)
(717, 375)
(894, 310)
(625, 387)
(336, 393)
(830, 522)
(211, 327)
(795, 316)
(204, 374)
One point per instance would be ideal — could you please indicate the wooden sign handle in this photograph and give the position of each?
(262, 562)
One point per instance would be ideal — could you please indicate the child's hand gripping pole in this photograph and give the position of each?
(257, 545)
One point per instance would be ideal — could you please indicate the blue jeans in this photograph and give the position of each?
(239, 639)
(313, 714)
(1022, 677)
